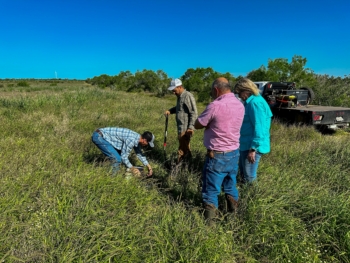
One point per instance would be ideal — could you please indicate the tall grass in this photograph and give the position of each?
(60, 203)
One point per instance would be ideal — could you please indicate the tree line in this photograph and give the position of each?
(328, 90)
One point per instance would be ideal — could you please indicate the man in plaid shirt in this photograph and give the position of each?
(117, 143)
(186, 115)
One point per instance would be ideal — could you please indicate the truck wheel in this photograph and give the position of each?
(311, 94)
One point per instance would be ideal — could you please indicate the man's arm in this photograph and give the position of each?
(172, 110)
(198, 125)
(125, 151)
(143, 159)
(205, 117)
(140, 155)
(192, 111)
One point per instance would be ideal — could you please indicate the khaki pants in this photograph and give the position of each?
(184, 147)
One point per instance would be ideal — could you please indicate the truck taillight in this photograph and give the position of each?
(317, 117)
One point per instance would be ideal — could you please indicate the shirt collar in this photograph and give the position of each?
(224, 96)
(250, 98)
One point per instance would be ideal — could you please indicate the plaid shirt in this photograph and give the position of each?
(124, 140)
(186, 112)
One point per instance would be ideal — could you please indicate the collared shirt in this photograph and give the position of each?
(255, 132)
(124, 140)
(223, 120)
(186, 112)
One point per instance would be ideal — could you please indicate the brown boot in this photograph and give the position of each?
(232, 204)
(209, 214)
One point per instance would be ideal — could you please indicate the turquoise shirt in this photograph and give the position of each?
(255, 130)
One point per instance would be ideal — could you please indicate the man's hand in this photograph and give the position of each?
(150, 171)
(135, 171)
(166, 113)
(189, 133)
(251, 157)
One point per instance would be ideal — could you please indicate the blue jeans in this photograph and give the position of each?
(220, 171)
(108, 150)
(248, 171)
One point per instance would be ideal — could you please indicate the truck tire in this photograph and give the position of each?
(311, 94)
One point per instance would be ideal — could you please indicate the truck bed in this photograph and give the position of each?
(329, 116)
(282, 97)
(318, 108)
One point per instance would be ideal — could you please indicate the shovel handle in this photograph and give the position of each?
(166, 130)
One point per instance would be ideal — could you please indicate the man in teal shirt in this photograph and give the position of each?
(255, 131)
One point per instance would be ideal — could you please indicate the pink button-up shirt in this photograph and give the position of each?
(222, 120)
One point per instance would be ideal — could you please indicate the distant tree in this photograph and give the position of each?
(299, 74)
(162, 87)
(258, 74)
(145, 80)
(200, 79)
(197, 80)
(280, 70)
(102, 81)
(148, 80)
(124, 80)
(332, 91)
(238, 78)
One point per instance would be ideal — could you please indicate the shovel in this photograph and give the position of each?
(165, 135)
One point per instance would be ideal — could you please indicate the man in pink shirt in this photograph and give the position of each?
(222, 120)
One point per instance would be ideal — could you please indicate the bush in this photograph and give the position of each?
(23, 83)
(204, 97)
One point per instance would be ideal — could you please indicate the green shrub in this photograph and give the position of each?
(23, 83)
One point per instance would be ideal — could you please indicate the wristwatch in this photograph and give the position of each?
(252, 150)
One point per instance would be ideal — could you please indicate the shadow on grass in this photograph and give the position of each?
(181, 182)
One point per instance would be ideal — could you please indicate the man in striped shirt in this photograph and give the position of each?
(117, 143)
(186, 115)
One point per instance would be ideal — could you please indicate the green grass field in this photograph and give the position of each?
(59, 202)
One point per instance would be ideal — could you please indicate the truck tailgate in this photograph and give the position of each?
(324, 115)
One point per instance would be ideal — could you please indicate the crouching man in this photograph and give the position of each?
(117, 144)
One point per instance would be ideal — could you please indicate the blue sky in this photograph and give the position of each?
(79, 39)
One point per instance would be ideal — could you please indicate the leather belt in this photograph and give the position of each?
(218, 151)
(211, 153)
(99, 132)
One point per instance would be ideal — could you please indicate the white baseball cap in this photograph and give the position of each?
(151, 142)
(175, 83)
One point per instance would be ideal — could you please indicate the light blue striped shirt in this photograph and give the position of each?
(124, 140)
